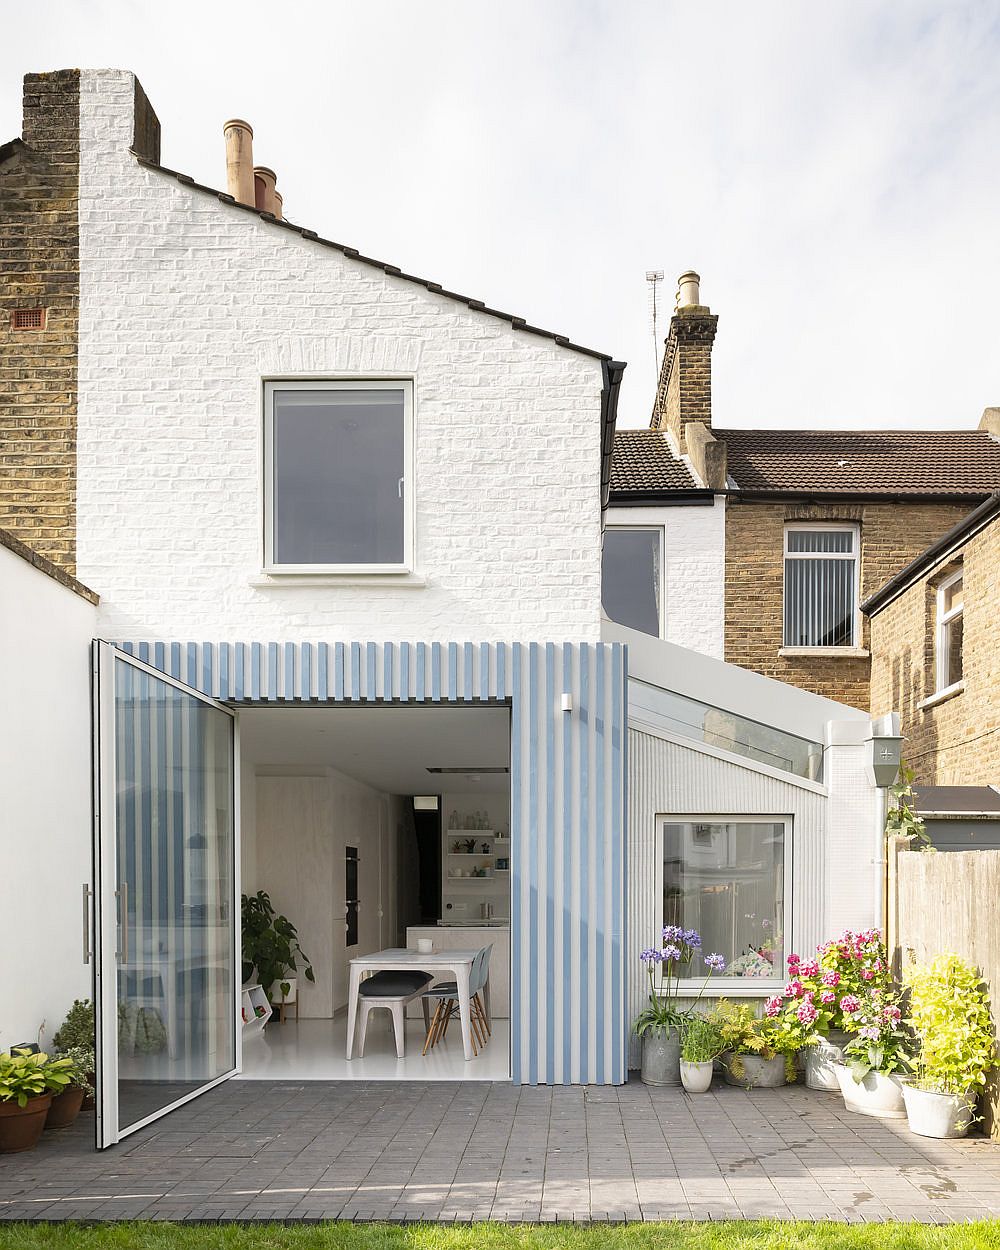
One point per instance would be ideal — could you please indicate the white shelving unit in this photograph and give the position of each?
(251, 1000)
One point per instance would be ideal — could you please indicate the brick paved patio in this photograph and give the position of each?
(273, 1150)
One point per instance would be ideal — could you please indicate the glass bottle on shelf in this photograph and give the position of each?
(453, 819)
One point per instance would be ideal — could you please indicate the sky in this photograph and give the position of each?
(833, 173)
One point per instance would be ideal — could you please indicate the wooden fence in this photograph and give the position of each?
(949, 903)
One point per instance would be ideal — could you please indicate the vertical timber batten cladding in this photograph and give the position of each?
(568, 776)
(40, 267)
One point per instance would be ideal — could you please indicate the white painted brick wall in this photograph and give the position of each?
(187, 303)
(694, 558)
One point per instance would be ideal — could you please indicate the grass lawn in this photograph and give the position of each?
(752, 1235)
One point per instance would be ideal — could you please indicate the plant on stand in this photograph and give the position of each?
(659, 1024)
(877, 1052)
(271, 945)
(950, 1016)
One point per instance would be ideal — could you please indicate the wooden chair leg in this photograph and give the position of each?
(432, 1028)
(427, 1013)
(484, 1018)
(449, 1011)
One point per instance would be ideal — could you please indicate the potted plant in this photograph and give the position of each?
(67, 1104)
(843, 969)
(701, 1045)
(271, 945)
(875, 1056)
(950, 1016)
(78, 1033)
(27, 1082)
(659, 1023)
(756, 1051)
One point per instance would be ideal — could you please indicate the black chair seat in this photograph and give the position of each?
(447, 989)
(390, 984)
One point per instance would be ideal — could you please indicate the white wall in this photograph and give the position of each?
(45, 809)
(303, 826)
(694, 571)
(187, 303)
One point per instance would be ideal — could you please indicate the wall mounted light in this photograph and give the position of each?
(567, 701)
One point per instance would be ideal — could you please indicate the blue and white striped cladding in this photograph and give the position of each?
(568, 778)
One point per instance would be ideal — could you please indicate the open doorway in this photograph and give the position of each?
(373, 828)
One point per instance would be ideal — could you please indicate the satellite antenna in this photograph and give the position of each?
(654, 277)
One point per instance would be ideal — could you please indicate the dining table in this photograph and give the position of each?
(399, 959)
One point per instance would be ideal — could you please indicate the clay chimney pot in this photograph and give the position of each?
(239, 160)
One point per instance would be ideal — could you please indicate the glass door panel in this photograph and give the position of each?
(166, 852)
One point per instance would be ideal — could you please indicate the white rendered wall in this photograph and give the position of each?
(45, 783)
(186, 304)
(692, 611)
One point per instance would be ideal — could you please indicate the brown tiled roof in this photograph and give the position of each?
(864, 462)
(644, 461)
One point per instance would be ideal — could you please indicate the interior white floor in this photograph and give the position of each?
(314, 1050)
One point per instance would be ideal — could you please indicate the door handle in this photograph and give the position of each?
(87, 952)
(122, 895)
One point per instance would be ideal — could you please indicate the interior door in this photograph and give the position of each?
(166, 937)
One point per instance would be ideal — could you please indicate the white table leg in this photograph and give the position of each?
(352, 1008)
(464, 1007)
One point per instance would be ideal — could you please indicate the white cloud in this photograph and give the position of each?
(831, 173)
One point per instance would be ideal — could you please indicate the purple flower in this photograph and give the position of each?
(652, 956)
(673, 933)
(671, 952)
(716, 962)
(870, 1033)
(691, 937)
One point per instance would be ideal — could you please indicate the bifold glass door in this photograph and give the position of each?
(166, 979)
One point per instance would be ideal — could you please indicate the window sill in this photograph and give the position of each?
(847, 653)
(941, 696)
(263, 581)
(733, 987)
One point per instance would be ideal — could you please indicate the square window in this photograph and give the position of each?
(728, 880)
(337, 473)
(821, 586)
(631, 572)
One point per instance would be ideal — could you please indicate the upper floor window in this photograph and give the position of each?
(337, 473)
(821, 586)
(631, 576)
(948, 650)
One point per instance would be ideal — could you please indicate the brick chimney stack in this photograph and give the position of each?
(684, 393)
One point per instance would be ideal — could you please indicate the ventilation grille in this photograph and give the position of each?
(28, 319)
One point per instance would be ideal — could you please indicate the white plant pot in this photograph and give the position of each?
(877, 1095)
(938, 1115)
(696, 1077)
(276, 994)
(821, 1058)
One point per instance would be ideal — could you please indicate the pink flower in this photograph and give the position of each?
(808, 968)
(831, 978)
(773, 1006)
(892, 1013)
(828, 996)
(849, 1004)
(807, 1013)
(793, 962)
(793, 989)
(867, 974)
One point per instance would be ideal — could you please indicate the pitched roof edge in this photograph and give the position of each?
(18, 548)
(933, 555)
(352, 253)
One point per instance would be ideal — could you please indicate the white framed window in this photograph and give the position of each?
(730, 878)
(632, 589)
(821, 606)
(338, 476)
(948, 641)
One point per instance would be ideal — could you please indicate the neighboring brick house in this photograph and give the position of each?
(935, 630)
(815, 520)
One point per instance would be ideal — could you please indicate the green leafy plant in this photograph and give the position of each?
(25, 1075)
(78, 1028)
(82, 1059)
(701, 1040)
(270, 944)
(902, 820)
(950, 1015)
(880, 1043)
(743, 1032)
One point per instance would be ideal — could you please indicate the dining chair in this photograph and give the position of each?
(446, 993)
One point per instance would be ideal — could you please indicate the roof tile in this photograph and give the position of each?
(645, 461)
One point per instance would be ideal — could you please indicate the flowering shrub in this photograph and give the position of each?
(666, 965)
(825, 991)
(880, 1044)
(949, 1012)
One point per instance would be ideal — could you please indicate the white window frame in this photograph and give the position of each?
(661, 530)
(942, 644)
(368, 383)
(854, 556)
(723, 986)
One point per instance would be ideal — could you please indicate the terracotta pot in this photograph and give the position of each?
(65, 1107)
(21, 1127)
